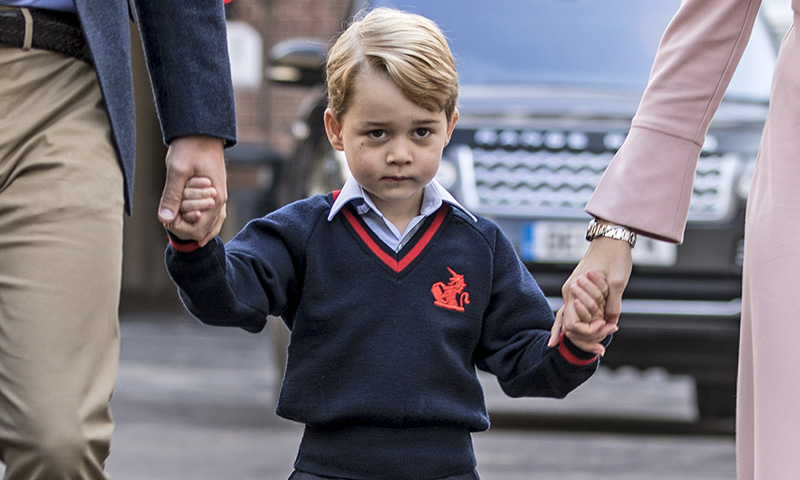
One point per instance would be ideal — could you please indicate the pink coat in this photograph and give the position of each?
(648, 187)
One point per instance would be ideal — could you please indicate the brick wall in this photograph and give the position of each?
(265, 114)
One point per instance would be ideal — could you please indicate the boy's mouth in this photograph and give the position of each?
(396, 178)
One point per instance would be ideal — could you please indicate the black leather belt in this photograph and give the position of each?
(55, 31)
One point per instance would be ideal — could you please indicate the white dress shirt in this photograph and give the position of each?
(60, 5)
(433, 196)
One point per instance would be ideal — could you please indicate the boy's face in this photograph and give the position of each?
(392, 145)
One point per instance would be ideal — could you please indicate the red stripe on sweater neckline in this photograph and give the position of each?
(396, 265)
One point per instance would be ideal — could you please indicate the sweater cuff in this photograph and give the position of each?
(573, 354)
(183, 246)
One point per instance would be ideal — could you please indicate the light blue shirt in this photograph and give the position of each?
(433, 196)
(60, 5)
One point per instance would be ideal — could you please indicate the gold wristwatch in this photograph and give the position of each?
(618, 232)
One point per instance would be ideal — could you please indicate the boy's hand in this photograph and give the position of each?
(588, 293)
(187, 157)
(589, 296)
(199, 198)
(612, 259)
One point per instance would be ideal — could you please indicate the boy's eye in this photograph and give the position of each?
(422, 132)
(377, 133)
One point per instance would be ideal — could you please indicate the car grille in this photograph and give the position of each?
(515, 179)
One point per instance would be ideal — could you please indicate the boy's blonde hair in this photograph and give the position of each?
(409, 48)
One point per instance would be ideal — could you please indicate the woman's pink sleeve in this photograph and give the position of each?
(648, 184)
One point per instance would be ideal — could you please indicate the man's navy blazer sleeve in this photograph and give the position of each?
(187, 55)
(185, 45)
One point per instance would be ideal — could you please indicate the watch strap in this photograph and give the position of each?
(609, 230)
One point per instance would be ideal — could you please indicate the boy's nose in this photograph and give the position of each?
(400, 153)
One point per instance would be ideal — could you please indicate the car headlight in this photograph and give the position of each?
(448, 173)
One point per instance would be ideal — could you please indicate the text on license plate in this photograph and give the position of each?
(565, 242)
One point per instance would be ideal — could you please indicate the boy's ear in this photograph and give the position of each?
(334, 130)
(451, 125)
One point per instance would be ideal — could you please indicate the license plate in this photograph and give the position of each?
(565, 242)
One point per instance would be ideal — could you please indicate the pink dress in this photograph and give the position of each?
(648, 187)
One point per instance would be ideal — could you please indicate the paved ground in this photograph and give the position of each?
(195, 402)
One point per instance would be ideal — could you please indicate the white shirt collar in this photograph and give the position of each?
(433, 195)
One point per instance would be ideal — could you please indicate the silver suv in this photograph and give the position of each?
(549, 88)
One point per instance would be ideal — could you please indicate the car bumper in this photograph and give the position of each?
(693, 337)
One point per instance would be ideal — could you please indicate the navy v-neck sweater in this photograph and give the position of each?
(384, 346)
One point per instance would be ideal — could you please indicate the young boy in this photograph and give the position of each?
(393, 293)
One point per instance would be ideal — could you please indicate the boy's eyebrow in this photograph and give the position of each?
(381, 124)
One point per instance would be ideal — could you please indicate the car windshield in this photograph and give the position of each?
(608, 44)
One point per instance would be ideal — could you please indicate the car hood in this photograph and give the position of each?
(553, 106)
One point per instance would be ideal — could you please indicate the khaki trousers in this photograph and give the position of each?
(61, 209)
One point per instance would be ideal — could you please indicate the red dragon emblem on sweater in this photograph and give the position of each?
(451, 295)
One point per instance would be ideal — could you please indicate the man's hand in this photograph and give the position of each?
(195, 156)
(610, 258)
